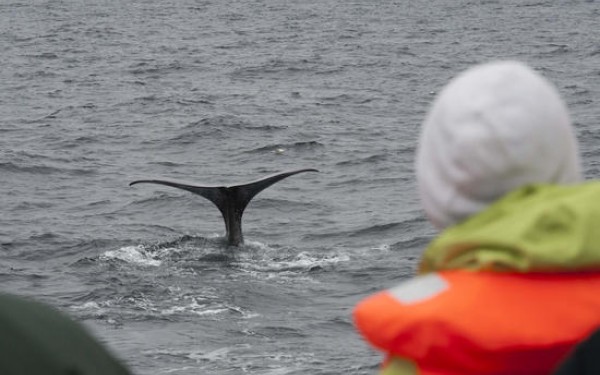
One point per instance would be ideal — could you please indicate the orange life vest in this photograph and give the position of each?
(463, 322)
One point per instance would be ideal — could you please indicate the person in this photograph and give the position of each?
(584, 359)
(37, 339)
(511, 283)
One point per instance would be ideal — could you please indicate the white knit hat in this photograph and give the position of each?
(492, 129)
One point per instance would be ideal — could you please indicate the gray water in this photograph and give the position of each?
(96, 94)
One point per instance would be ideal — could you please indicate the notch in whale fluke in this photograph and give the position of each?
(230, 200)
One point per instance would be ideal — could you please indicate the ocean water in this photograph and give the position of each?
(97, 94)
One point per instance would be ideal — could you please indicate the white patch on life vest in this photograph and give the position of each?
(419, 288)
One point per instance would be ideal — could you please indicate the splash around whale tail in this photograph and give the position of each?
(230, 200)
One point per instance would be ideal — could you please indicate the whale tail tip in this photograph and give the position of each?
(230, 200)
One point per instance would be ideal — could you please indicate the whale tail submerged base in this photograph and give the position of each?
(230, 200)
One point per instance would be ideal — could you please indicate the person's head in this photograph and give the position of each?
(492, 129)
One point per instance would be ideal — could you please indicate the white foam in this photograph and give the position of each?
(210, 356)
(257, 245)
(193, 307)
(132, 254)
(382, 247)
(92, 306)
(302, 262)
(173, 370)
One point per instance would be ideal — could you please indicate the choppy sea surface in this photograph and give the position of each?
(96, 94)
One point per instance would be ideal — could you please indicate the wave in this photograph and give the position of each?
(552, 49)
(272, 263)
(43, 56)
(344, 98)
(210, 128)
(229, 122)
(417, 242)
(166, 164)
(370, 231)
(9, 167)
(376, 230)
(168, 304)
(372, 159)
(31, 205)
(285, 68)
(133, 254)
(154, 69)
(294, 146)
(26, 156)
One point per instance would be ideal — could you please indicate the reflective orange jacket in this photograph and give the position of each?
(465, 322)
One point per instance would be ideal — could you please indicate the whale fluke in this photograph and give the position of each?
(230, 200)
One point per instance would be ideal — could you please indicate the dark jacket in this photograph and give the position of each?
(37, 339)
(584, 360)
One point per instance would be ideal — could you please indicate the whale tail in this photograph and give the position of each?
(230, 200)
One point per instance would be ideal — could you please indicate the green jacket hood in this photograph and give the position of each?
(536, 228)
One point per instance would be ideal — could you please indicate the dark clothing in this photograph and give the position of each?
(37, 339)
(584, 360)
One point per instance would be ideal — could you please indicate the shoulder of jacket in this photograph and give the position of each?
(420, 288)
